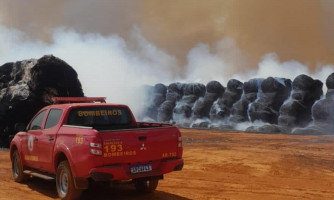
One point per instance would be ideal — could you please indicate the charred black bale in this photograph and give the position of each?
(296, 112)
(274, 92)
(222, 107)
(322, 113)
(202, 107)
(27, 86)
(192, 92)
(323, 119)
(240, 108)
(157, 95)
(174, 94)
(330, 87)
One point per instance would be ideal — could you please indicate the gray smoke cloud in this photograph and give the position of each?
(117, 68)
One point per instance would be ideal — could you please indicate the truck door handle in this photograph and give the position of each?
(142, 138)
(35, 139)
(51, 139)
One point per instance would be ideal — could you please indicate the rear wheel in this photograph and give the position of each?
(65, 183)
(17, 168)
(146, 185)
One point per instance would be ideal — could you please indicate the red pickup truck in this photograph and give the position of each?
(90, 140)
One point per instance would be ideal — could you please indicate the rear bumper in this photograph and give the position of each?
(122, 172)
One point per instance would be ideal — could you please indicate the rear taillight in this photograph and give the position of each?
(180, 142)
(179, 145)
(95, 148)
(95, 145)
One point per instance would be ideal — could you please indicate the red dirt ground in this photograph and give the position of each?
(219, 165)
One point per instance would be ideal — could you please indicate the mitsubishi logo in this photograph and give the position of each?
(143, 148)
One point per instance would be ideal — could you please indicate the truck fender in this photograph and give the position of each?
(15, 143)
(61, 148)
(80, 183)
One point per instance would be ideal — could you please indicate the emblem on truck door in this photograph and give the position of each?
(143, 148)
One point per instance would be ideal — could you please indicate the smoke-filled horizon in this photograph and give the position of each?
(110, 66)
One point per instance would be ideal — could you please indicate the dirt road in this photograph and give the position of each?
(219, 166)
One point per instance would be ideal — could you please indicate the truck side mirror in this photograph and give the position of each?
(20, 127)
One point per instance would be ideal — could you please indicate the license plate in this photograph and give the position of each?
(141, 168)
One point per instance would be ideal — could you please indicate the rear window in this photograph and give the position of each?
(107, 117)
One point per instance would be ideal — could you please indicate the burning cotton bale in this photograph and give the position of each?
(27, 86)
(322, 113)
(240, 108)
(222, 107)
(274, 92)
(174, 94)
(192, 92)
(157, 95)
(296, 112)
(202, 107)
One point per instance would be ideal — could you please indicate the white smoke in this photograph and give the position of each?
(272, 66)
(113, 67)
(219, 62)
(244, 125)
(106, 66)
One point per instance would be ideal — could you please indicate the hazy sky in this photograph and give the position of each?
(293, 29)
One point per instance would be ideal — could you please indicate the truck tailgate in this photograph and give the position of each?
(139, 146)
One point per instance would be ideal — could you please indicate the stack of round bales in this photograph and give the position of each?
(240, 108)
(221, 109)
(157, 95)
(322, 113)
(202, 107)
(183, 109)
(174, 94)
(274, 92)
(296, 112)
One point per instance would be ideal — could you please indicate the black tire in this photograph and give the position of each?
(146, 185)
(65, 183)
(17, 168)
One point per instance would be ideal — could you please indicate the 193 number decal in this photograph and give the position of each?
(116, 149)
(113, 148)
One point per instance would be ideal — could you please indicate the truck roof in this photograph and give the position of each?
(70, 105)
(69, 102)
